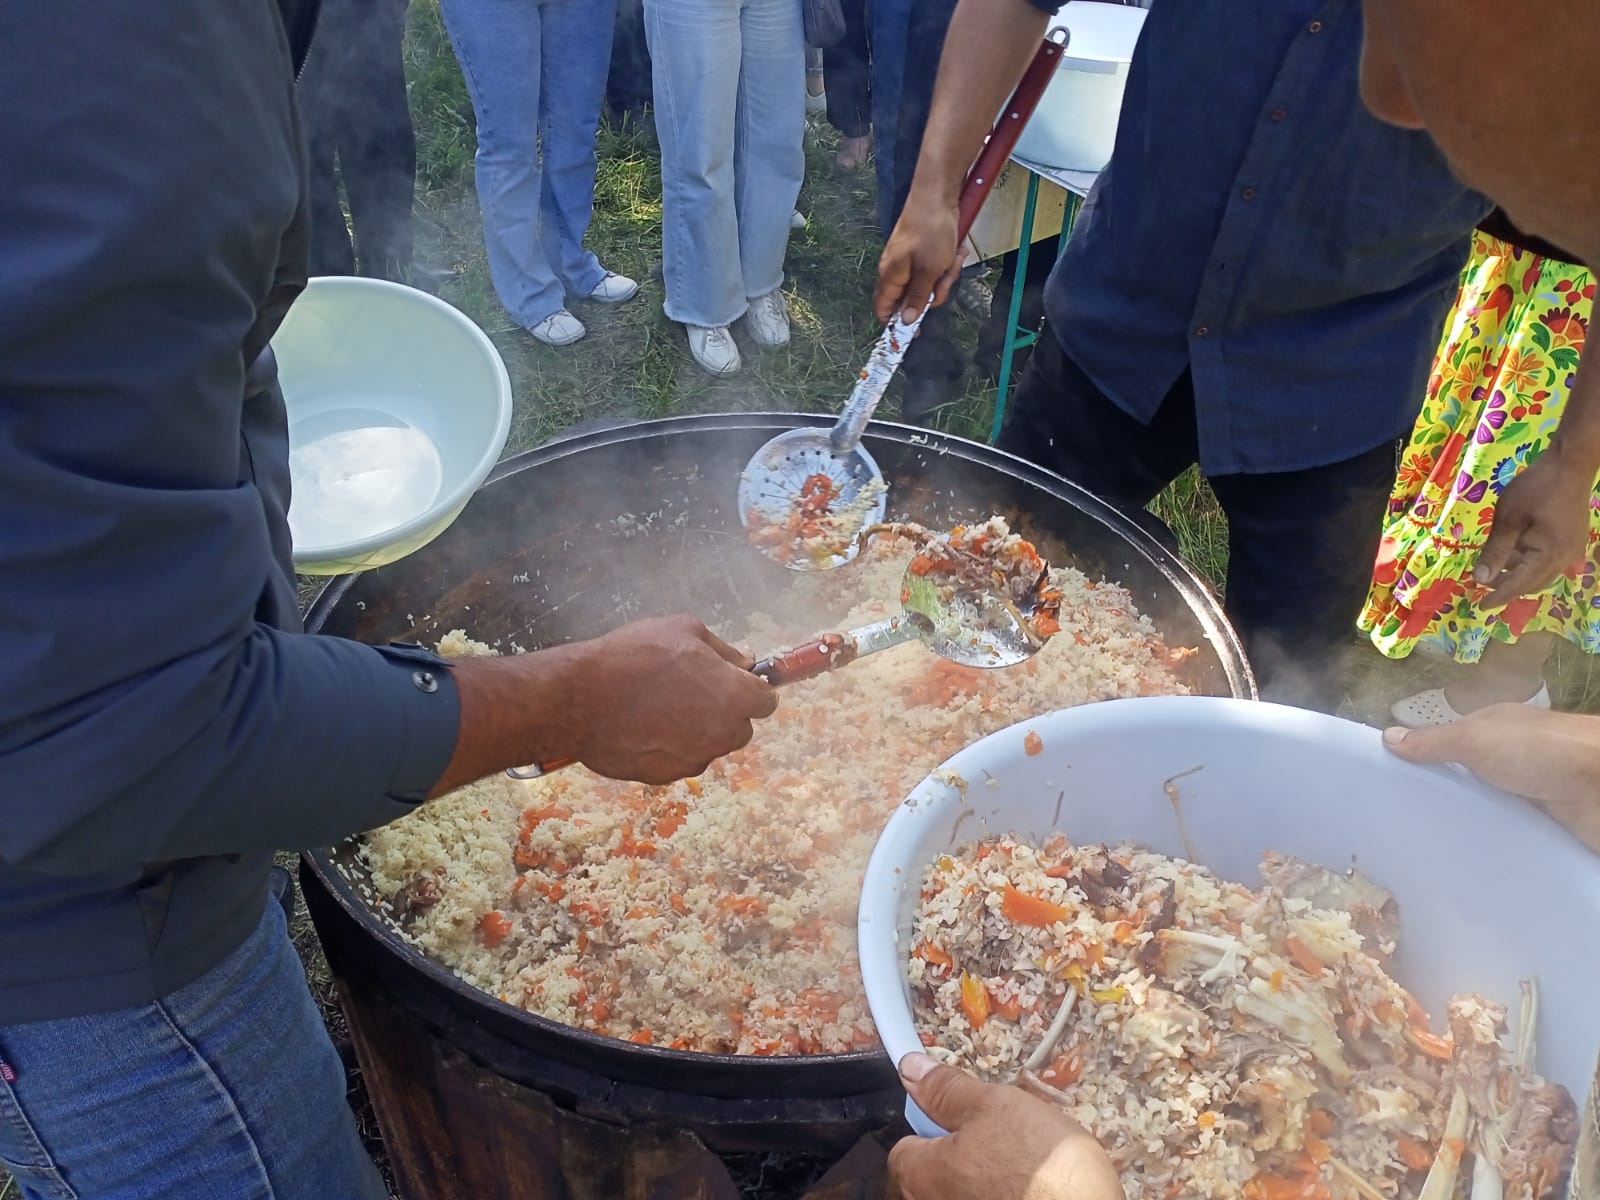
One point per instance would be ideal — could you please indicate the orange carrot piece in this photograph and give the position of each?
(1065, 1070)
(1033, 743)
(1430, 1043)
(493, 926)
(1302, 955)
(1011, 1010)
(974, 1000)
(1025, 909)
(1416, 1155)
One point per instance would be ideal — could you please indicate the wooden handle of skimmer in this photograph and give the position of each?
(816, 657)
(1003, 138)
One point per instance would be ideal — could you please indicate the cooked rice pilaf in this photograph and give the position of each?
(1223, 1041)
(718, 914)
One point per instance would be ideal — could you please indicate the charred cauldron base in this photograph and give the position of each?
(571, 539)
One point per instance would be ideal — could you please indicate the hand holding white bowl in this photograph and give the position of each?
(654, 701)
(1551, 758)
(1003, 1145)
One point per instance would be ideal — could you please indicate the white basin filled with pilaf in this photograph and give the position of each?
(718, 914)
(1249, 949)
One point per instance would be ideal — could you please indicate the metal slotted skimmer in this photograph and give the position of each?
(972, 627)
(785, 473)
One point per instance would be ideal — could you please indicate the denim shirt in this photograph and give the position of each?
(1257, 226)
(164, 724)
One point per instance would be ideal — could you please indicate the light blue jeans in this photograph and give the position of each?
(536, 71)
(226, 1089)
(730, 103)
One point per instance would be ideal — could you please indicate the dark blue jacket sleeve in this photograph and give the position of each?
(159, 701)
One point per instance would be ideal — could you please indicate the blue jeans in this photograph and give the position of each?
(890, 20)
(730, 100)
(536, 71)
(226, 1089)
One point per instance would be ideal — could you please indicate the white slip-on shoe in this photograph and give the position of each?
(1430, 708)
(797, 220)
(559, 329)
(768, 320)
(614, 289)
(714, 349)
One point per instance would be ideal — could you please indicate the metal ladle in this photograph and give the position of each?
(770, 486)
(972, 627)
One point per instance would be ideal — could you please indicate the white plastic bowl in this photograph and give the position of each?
(1075, 126)
(399, 407)
(1490, 890)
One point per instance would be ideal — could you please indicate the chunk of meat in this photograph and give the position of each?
(1373, 910)
(415, 897)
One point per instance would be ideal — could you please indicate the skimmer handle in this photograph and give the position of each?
(538, 769)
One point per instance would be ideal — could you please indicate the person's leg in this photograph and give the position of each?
(694, 51)
(379, 155)
(996, 330)
(769, 160)
(228, 1087)
(1508, 673)
(577, 54)
(628, 80)
(847, 67)
(497, 43)
(324, 95)
(934, 364)
(889, 21)
(1061, 421)
(1300, 551)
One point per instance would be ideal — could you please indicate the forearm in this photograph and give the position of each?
(276, 741)
(517, 711)
(989, 46)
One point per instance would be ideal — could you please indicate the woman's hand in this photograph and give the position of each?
(1541, 527)
(1552, 758)
(1003, 1144)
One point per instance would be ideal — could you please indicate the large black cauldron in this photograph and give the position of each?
(569, 540)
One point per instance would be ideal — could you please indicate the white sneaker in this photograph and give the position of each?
(768, 320)
(797, 220)
(559, 329)
(1430, 708)
(714, 349)
(614, 289)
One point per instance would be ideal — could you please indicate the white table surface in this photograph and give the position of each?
(1077, 182)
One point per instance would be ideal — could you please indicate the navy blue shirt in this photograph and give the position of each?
(164, 724)
(1257, 226)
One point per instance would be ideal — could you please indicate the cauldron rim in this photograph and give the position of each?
(817, 1075)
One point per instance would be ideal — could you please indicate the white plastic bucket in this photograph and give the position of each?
(1075, 125)
(1490, 890)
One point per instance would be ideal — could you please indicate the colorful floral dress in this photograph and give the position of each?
(1504, 369)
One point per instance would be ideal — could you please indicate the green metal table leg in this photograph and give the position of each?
(1018, 286)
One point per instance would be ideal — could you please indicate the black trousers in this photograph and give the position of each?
(934, 354)
(1300, 543)
(630, 80)
(353, 101)
(847, 69)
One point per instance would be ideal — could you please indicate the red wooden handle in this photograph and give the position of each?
(1003, 138)
(816, 657)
